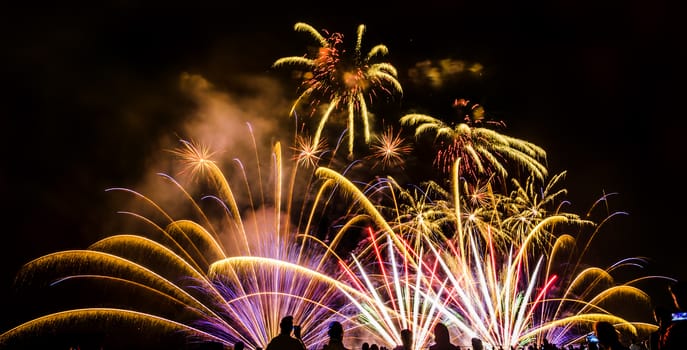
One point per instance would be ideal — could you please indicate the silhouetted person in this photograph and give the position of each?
(608, 336)
(239, 345)
(374, 347)
(406, 340)
(284, 341)
(548, 346)
(335, 334)
(675, 336)
(477, 344)
(663, 318)
(366, 346)
(212, 345)
(442, 338)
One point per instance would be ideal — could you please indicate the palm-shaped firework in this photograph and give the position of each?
(342, 82)
(483, 151)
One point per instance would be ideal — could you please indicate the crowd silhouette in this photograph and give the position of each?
(335, 334)
(670, 334)
(284, 340)
(442, 338)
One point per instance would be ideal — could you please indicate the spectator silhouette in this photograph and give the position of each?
(335, 334)
(675, 336)
(239, 345)
(374, 347)
(663, 319)
(477, 344)
(212, 345)
(366, 346)
(548, 346)
(608, 336)
(442, 338)
(284, 340)
(406, 340)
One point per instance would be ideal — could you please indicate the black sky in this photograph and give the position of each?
(90, 89)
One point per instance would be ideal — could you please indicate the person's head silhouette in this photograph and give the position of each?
(606, 333)
(407, 338)
(335, 331)
(441, 335)
(286, 325)
(477, 344)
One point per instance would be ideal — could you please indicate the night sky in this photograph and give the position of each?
(92, 93)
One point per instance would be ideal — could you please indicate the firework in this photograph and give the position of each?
(518, 292)
(422, 257)
(491, 256)
(307, 153)
(344, 83)
(212, 280)
(483, 151)
(511, 289)
(390, 150)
